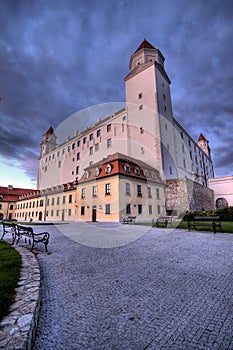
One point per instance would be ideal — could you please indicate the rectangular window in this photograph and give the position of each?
(52, 203)
(78, 155)
(150, 209)
(83, 193)
(94, 191)
(69, 212)
(140, 95)
(58, 200)
(158, 209)
(57, 212)
(107, 209)
(78, 143)
(96, 147)
(59, 164)
(58, 154)
(51, 212)
(64, 200)
(109, 143)
(73, 145)
(139, 190)
(98, 133)
(68, 148)
(139, 209)
(107, 189)
(77, 170)
(41, 203)
(82, 210)
(149, 192)
(128, 209)
(157, 193)
(127, 188)
(70, 198)
(91, 150)
(84, 140)
(48, 201)
(109, 127)
(91, 137)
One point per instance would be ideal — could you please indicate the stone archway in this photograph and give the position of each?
(221, 203)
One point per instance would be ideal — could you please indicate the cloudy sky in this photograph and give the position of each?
(60, 56)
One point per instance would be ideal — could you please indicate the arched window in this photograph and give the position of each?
(221, 203)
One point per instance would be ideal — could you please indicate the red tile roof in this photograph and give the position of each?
(49, 131)
(202, 138)
(12, 194)
(117, 163)
(145, 45)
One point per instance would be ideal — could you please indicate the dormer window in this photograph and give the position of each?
(108, 169)
(137, 171)
(86, 175)
(127, 168)
(97, 172)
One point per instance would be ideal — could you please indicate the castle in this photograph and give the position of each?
(138, 161)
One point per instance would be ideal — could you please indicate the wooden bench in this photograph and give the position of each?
(8, 227)
(205, 221)
(162, 220)
(128, 219)
(33, 238)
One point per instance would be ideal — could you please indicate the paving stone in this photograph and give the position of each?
(167, 290)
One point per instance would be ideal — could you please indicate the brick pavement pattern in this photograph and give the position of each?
(167, 290)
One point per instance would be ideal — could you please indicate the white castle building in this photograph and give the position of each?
(144, 130)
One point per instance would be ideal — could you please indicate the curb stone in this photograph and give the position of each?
(18, 328)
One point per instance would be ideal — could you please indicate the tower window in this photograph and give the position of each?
(109, 143)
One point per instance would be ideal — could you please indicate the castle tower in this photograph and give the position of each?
(204, 145)
(148, 84)
(148, 88)
(48, 142)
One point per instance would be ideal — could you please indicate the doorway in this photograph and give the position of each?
(94, 213)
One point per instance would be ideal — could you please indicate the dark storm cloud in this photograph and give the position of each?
(62, 56)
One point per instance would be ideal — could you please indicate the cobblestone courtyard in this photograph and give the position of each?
(166, 290)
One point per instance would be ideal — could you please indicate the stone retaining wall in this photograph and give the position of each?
(184, 194)
(17, 330)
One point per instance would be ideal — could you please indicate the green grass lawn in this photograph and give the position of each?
(227, 226)
(10, 265)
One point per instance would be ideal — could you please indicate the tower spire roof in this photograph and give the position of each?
(202, 137)
(145, 45)
(49, 131)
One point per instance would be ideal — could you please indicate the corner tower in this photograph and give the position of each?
(48, 142)
(204, 145)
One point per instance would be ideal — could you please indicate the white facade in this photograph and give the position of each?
(223, 190)
(145, 129)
